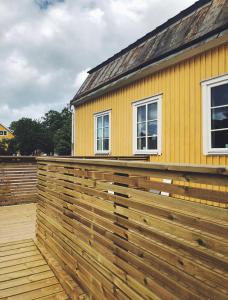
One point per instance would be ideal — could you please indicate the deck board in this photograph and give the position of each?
(17, 222)
(24, 273)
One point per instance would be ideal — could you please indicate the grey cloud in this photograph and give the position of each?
(44, 52)
(44, 4)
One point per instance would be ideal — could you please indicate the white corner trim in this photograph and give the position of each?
(73, 132)
(206, 105)
(96, 115)
(135, 104)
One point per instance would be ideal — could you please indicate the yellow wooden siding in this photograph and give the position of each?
(180, 85)
(4, 137)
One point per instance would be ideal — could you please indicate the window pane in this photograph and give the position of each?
(99, 145)
(106, 132)
(141, 144)
(152, 128)
(141, 129)
(99, 133)
(99, 122)
(219, 139)
(106, 144)
(106, 121)
(141, 113)
(1, 132)
(219, 95)
(152, 143)
(152, 111)
(219, 118)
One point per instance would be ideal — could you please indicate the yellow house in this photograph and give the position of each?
(165, 95)
(5, 133)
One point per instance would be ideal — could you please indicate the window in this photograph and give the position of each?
(3, 132)
(147, 126)
(103, 132)
(215, 106)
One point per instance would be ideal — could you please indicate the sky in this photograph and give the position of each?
(47, 46)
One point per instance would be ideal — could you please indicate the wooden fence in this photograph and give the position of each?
(18, 180)
(118, 237)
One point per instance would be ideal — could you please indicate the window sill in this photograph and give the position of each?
(147, 152)
(216, 153)
(103, 153)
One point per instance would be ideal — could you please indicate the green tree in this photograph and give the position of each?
(62, 137)
(29, 136)
(12, 147)
(52, 121)
(3, 147)
(50, 135)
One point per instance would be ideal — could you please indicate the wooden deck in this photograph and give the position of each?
(25, 275)
(17, 222)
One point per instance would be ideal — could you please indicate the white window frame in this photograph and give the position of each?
(96, 115)
(206, 97)
(153, 99)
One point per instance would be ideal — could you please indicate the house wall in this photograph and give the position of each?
(180, 85)
(8, 136)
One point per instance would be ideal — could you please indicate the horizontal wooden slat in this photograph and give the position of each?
(118, 238)
(18, 180)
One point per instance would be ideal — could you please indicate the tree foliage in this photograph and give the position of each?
(50, 135)
(29, 135)
(3, 147)
(62, 136)
(58, 130)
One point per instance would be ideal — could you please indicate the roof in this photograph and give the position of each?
(6, 128)
(203, 19)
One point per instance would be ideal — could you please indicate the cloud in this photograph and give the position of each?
(80, 78)
(47, 46)
(35, 111)
(44, 4)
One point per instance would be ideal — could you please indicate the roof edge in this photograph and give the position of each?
(155, 31)
(205, 44)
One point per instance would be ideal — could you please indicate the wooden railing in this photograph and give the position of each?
(123, 232)
(18, 180)
(108, 157)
